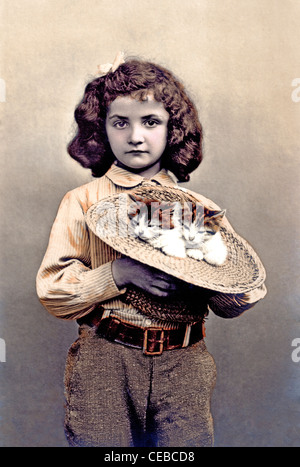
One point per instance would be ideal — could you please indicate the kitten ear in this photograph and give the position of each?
(136, 198)
(136, 206)
(133, 210)
(217, 216)
(221, 213)
(213, 213)
(131, 196)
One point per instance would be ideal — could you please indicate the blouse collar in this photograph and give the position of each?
(126, 179)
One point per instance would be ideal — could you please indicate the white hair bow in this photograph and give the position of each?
(111, 67)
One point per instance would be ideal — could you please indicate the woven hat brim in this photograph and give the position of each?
(242, 271)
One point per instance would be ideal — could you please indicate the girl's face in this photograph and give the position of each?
(137, 133)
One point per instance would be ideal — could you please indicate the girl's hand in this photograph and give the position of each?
(128, 271)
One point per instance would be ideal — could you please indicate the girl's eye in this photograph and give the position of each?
(120, 124)
(151, 123)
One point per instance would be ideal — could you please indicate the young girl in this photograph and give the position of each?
(135, 123)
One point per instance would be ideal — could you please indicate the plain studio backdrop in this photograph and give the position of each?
(239, 60)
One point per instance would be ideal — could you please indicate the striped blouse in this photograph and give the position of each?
(75, 274)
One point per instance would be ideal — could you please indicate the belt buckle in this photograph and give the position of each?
(160, 341)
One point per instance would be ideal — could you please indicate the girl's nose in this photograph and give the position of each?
(136, 135)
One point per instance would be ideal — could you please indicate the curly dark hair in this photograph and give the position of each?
(90, 146)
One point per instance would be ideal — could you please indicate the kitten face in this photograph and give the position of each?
(200, 224)
(156, 223)
(141, 226)
(151, 214)
(203, 239)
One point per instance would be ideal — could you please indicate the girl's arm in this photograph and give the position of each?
(66, 284)
(233, 305)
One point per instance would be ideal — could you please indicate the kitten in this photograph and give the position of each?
(158, 224)
(201, 233)
(179, 231)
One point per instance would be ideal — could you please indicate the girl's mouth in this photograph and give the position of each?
(136, 151)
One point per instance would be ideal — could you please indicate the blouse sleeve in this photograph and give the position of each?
(233, 305)
(66, 285)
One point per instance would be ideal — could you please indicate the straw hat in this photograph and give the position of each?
(109, 220)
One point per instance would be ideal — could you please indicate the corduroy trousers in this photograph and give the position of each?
(118, 397)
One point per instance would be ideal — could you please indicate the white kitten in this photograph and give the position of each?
(168, 238)
(201, 233)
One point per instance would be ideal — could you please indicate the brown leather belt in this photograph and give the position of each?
(152, 340)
